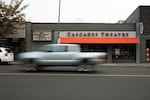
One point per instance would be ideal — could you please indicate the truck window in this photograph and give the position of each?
(59, 48)
(46, 49)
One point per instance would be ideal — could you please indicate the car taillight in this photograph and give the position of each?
(6, 53)
(103, 56)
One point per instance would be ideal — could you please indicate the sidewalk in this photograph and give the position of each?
(128, 64)
(109, 64)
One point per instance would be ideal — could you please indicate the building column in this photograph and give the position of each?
(143, 49)
(28, 37)
(138, 53)
(138, 46)
(109, 51)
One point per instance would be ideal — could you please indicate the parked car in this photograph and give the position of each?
(62, 55)
(6, 55)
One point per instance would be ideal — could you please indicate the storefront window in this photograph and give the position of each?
(125, 53)
(93, 48)
(119, 53)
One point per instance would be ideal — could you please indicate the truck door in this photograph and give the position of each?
(59, 56)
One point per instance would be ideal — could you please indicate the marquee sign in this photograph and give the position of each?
(98, 34)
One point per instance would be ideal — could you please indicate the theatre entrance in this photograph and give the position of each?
(119, 53)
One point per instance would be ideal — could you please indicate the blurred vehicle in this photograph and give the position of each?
(62, 55)
(6, 55)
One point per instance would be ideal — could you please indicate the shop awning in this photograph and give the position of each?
(100, 40)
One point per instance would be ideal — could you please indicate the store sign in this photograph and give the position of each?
(42, 36)
(98, 34)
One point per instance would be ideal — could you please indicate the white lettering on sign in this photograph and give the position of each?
(98, 34)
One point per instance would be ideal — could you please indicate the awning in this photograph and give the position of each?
(100, 40)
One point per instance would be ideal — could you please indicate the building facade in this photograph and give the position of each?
(15, 41)
(142, 15)
(120, 41)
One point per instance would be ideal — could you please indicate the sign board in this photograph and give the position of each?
(42, 36)
(98, 34)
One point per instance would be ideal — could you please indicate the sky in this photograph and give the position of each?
(81, 11)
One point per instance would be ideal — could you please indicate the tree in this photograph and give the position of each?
(120, 21)
(11, 16)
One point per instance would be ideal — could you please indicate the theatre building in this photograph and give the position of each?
(127, 42)
(142, 15)
(120, 41)
(121, 45)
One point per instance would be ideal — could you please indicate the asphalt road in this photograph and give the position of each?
(107, 83)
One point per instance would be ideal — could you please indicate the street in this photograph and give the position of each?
(106, 83)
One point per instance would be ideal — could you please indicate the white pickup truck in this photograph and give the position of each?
(62, 55)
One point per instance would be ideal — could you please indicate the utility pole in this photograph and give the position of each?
(59, 10)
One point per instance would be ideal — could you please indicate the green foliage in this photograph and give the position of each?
(120, 21)
(11, 16)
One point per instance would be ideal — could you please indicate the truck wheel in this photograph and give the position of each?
(85, 66)
(30, 65)
(81, 69)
